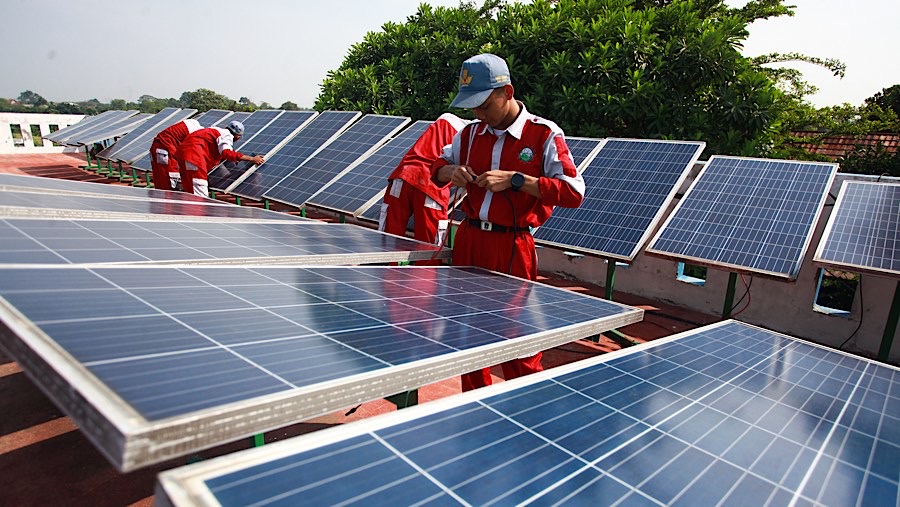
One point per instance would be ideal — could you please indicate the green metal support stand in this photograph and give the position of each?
(888, 338)
(266, 202)
(259, 440)
(729, 295)
(403, 400)
(237, 200)
(90, 166)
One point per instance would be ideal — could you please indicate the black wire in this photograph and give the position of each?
(862, 311)
(746, 292)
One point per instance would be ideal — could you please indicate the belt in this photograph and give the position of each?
(492, 227)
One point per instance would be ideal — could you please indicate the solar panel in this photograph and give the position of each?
(728, 414)
(629, 183)
(85, 122)
(57, 241)
(324, 127)
(225, 353)
(365, 180)
(55, 186)
(141, 145)
(255, 124)
(211, 118)
(109, 132)
(862, 231)
(106, 124)
(152, 121)
(747, 215)
(582, 149)
(32, 204)
(267, 140)
(318, 170)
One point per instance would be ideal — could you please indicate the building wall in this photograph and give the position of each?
(10, 145)
(785, 307)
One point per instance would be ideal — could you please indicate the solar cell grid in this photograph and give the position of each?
(316, 134)
(153, 120)
(211, 118)
(141, 141)
(254, 125)
(318, 170)
(862, 231)
(98, 122)
(226, 352)
(273, 135)
(86, 122)
(629, 182)
(723, 415)
(748, 215)
(55, 186)
(366, 179)
(109, 131)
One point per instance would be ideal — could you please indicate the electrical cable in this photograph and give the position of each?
(746, 293)
(862, 312)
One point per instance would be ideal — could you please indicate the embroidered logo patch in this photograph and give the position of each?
(526, 155)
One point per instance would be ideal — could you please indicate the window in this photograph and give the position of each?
(36, 135)
(835, 291)
(692, 274)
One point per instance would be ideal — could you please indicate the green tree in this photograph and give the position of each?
(203, 99)
(887, 98)
(30, 98)
(602, 68)
(289, 106)
(246, 105)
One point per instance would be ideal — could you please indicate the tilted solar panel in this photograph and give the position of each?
(747, 215)
(365, 180)
(728, 414)
(255, 124)
(318, 170)
(87, 123)
(226, 352)
(109, 130)
(60, 241)
(863, 231)
(20, 183)
(141, 145)
(629, 183)
(152, 121)
(324, 127)
(267, 141)
(211, 118)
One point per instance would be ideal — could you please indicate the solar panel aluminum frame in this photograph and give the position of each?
(39, 185)
(88, 122)
(185, 486)
(130, 442)
(656, 218)
(734, 267)
(818, 257)
(269, 153)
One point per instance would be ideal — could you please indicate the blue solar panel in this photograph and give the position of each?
(151, 122)
(19, 183)
(582, 148)
(366, 180)
(91, 124)
(32, 204)
(141, 144)
(321, 168)
(224, 352)
(211, 118)
(729, 414)
(108, 132)
(60, 241)
(862, 231)
(628, 184)
(254, 126)
(315, 135)
(747, 215)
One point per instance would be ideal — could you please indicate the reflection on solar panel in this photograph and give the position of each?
(152, 121)
(87, 123)
(319, 169)
(276, 133)
(728, 414)
(863, 232)
(229, 352)
(316, 134)
(628, 184)
(56, 241)
(113, 125)
(211, 118)
(17, 183)
(747, 215)
(142, 144)
(365, 181)
(31, 204)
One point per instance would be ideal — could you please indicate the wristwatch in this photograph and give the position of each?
(516, 182)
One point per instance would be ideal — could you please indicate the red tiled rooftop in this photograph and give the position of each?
(837, 146)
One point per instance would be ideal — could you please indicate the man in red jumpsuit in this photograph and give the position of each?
(410, 191)
(203, 150)
(162, 153)
(515, 167)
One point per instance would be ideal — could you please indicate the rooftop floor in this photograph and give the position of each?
(46, 461)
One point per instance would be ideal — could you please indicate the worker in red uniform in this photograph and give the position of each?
(515, 167)
(203, 150)
(163, 163)
(410, 191)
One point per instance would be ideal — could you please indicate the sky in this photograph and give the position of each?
(282, 50)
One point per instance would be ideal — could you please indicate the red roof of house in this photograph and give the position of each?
(836, 146)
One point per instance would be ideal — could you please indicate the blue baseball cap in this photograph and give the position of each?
(236, 127)
(479, 76)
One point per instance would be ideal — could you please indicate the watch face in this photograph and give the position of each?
(517, 181)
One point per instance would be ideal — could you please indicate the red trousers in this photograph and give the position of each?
(507, 252)
(429, 218)
(163, 167)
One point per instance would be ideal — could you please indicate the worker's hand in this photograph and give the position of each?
(258, 160)
(461, 176)
(495, 181)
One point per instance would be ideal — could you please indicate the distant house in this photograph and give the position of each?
(837, 146)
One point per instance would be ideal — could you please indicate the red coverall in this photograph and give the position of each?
(411, 192)
(163, 163)
(533, 146)
(201, 151)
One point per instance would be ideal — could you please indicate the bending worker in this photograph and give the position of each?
(163, 163)
(515, 167)
(206, 148)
